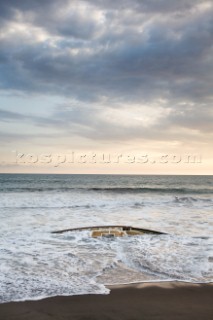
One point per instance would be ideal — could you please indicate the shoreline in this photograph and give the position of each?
(156, 300)
(157, 283)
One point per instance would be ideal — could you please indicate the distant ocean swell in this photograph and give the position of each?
(115, 190)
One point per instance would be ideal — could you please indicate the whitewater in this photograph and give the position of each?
(35, 263)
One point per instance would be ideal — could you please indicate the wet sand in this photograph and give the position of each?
(134, 302)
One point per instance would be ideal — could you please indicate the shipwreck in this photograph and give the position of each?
(112, 231)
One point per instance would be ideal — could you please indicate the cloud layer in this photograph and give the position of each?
(125, 69)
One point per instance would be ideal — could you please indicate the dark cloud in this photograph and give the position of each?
(133, 52)
(130, 62)
(7, 7)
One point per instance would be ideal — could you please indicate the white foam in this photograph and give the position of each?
(36, 264)
(43, 264)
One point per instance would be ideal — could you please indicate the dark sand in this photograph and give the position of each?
(145, 301)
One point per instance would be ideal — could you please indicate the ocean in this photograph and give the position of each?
(36, 263)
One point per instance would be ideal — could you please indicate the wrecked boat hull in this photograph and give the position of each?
(112, 231)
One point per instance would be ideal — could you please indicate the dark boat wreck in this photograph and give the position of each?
(112, 231)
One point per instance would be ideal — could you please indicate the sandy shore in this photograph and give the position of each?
(145, 301)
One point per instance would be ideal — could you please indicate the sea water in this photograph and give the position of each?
(36, 263)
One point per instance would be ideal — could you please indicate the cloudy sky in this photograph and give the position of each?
(132, 79)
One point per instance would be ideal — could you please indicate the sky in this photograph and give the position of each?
(100, 86)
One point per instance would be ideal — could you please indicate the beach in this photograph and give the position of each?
(166, 300)
(38, 261)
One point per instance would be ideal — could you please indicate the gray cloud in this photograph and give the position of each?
(91, 122)
(131, 52)
(9, 116)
